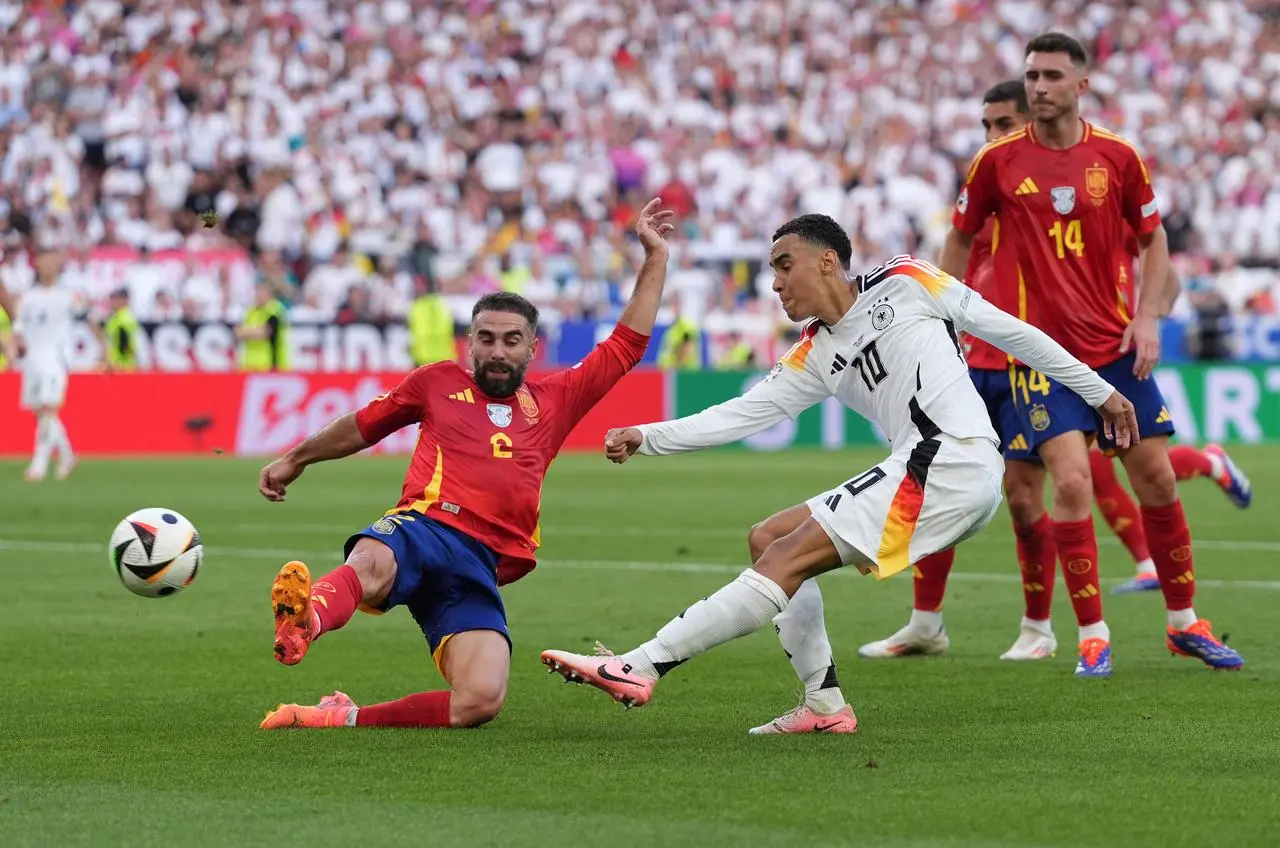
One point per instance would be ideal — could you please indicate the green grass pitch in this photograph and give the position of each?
(126, 721)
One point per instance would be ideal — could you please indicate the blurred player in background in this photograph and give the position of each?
(42, 336)
(1063, 193)
(886, 347)
(467, 521)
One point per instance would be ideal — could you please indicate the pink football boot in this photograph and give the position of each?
(609, 674)
(804, 720)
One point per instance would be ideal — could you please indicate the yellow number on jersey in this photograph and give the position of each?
(501, 445)
(1069, 239)
(1037, 382)
(1029, 382)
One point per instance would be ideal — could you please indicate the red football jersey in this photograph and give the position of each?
(980, 276)
(479, 462)
(1062, 217)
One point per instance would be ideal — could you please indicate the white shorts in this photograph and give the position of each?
(43, 386)
(915, 503)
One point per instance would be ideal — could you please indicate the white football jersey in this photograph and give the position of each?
(46, 319)
(894, 358)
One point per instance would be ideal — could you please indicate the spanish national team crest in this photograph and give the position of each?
(1097, 183)
(499, 414)
(962, 202)
(1064, 199)
(527, 405)
(1039, 417)
(385, 526)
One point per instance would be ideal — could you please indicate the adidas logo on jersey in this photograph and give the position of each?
(1027, 186)
(465, 396)
(838, 365)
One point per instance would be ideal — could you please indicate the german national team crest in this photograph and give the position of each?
(1064, 199)
(1097, 183)
(882, 316)
(499, 414)
(527, 405)
(1039, 417)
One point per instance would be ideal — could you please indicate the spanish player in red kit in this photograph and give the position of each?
(1005, 110)
(467, 519)
(1063, 192)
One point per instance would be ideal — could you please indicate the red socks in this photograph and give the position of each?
(1118, 507)
(931, 579)
(1170, 539)
(335, 597)
(1037, 560)
(1189, 462)
(424, 709)
(1078, 552)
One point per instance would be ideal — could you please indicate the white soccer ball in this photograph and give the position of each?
(156, 552)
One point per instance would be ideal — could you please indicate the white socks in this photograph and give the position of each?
(51, 436)
(1181, 619)
(1096, 631)
(929, 622)
(1044, 628)
(44, 444)
(1147, 566)
(1216, 467)
(61, 444)
(740, 608)
(803, 634)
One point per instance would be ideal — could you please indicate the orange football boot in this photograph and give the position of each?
(296, 622)
(332, 711)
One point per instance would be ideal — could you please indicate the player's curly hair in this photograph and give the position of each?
(820, 230)
(506, 302)
(1010, 91)
(1058, 42)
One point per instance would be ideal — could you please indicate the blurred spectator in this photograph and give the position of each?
(508, 143)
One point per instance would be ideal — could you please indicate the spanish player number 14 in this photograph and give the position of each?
(1068, 238)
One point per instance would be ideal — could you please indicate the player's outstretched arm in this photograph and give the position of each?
(785, 393)
(971, 313)
(340, 437)
(652, 228)
(586, 383)
(353, 432)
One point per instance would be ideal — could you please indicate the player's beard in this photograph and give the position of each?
(1048, 112)
(499, 379)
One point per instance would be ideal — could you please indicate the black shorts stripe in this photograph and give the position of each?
(922, 456)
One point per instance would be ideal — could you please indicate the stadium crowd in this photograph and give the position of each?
(365, 151)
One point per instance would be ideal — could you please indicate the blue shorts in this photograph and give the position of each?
(1046, 408)
(993, 388)
(447, 579)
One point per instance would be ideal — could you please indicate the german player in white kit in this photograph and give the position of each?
(886, 347)
(43, 329)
